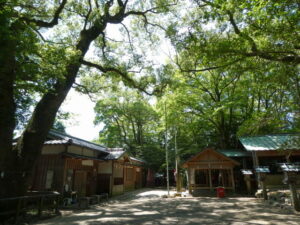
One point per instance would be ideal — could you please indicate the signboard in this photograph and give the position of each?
(87, 162)
(49, 179)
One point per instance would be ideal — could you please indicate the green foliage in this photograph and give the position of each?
(129, 122)
(235, 72)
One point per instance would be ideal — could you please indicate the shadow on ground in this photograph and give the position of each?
(148, 207)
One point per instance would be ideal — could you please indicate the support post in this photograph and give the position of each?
(178, 180)
(40, 209)
(166, 148)
(210, 181)
(232, 179)
(112, 178)
(264, 190)
(262, 179)
(247, 179)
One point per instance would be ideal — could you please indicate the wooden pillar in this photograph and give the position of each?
(256, 164)
(247, 179)
(124, 175)
(210, 181)
(232, 179)
(255, 159)
(192, 179)
(265, 195)
(188, 177)
(111, 178)
(222, 176)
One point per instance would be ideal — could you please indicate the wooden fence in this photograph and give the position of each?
(34, 202)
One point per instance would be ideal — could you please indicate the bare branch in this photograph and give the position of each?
(45, 40)
(208, 68)
(128, 34)
(87, 15)
(54, 20)
(86, 91)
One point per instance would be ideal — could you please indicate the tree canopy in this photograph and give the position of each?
(233, 71)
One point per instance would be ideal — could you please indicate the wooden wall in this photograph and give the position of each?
(44, 164)
(117, 178)
(83, 175)
(129, 178)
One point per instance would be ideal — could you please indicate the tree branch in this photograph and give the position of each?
(291, 56)
(126, 78)
(124, 75)
(87, 15)
(54, 20)
(128, 34)
(238, 32)
(86, 91)
(208, 68)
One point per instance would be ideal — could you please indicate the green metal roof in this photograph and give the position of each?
(234, 152)
(271, 142)
(290, 167)
(262, 169)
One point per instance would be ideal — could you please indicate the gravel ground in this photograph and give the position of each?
(146, 206)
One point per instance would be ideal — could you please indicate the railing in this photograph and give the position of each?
(34, 202)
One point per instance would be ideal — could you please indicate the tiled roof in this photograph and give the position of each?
(271, 142)
(56, 137)
(57, 142)
(114, 153)
(136, 159)
(53, 134)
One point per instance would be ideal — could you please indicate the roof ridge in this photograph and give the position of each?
(275, 134)
(137, 159)
(70, 136)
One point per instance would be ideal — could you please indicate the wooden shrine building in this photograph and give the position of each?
(210, 169)
(271, 151)
(70, 164)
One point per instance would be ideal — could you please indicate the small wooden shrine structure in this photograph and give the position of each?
(210, 169)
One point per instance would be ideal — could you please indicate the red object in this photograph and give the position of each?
(220, 192)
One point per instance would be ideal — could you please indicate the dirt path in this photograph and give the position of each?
(148, 207)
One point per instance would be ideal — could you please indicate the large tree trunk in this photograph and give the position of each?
(29, 145)
(7, 108)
